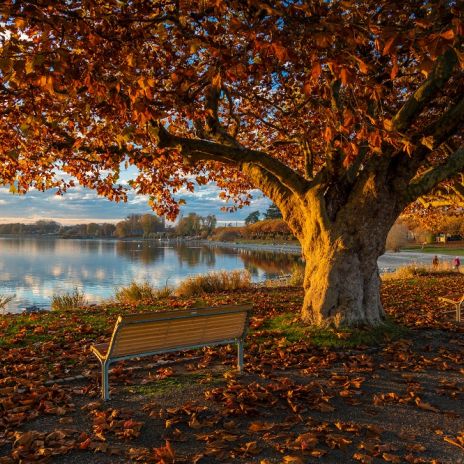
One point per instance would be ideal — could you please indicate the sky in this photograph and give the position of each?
(81, 205)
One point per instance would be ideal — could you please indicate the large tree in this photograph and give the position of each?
(342, 112)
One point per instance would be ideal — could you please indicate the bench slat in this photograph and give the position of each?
(178, 314)
(151, 337)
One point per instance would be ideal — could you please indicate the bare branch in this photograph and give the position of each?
(215, 129)
(354, 168)
(308, 160)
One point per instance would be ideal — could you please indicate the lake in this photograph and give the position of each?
(36, 268)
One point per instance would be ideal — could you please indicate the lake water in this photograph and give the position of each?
(36, 268)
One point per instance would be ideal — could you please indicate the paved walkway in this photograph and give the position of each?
(390, 261)
(387, 262)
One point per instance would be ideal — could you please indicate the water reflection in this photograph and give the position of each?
(267, 262)
(36, 268)
(144, 251)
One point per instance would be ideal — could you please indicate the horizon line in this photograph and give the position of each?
(76, 221)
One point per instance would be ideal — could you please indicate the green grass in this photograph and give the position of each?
(438, 250)
(351, 338)
(52, 325)
(288, 326)
(25, 323)
(176, 382)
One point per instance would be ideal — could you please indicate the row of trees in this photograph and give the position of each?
(194, 225)
(437, 224)
(135, 225)
(54, 228)
(268, 229)
(140, 225)
(409, 229)
(93, 229)
(271, 213)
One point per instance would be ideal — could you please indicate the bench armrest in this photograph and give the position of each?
(100, 350)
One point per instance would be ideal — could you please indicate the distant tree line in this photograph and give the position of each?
(135, 225)
(140, 225)
(54, 228)
(195, 225)
(272, 212)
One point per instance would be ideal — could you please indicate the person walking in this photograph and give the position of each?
(456, 263)
(435, 262)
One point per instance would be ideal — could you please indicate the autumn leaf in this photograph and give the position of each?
(363, 458)
(316, 71)
(425, 406)
(292, 460)
(389, 45)
(448, 35)
(391, 458)
(216, 81)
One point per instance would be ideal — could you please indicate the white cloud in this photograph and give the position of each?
(83, 205)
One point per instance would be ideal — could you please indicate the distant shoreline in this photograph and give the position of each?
(258, 246)
(387, 262)
(274, 247)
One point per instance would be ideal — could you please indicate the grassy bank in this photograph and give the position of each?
(442, 249)
(277, 305)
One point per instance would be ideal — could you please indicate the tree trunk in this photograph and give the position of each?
(342, 232)
(342, 283)
(342, 287)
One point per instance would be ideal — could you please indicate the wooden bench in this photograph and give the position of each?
(148, 334)
(457, 306)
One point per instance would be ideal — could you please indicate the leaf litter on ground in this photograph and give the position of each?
(331, 396)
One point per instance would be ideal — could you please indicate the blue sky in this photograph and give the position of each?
(81, 205)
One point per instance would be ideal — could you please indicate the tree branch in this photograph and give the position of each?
(353, 170)
(426, 181)
(214, 128)
(199, 150)
(308, 160)
(437, 79)
(440, 130)
(403, 168)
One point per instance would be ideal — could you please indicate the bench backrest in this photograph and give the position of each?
(151, 332)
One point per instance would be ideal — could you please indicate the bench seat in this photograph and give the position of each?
(147, 334)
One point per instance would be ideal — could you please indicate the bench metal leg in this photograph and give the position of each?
(104, 381)
(240, 355)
